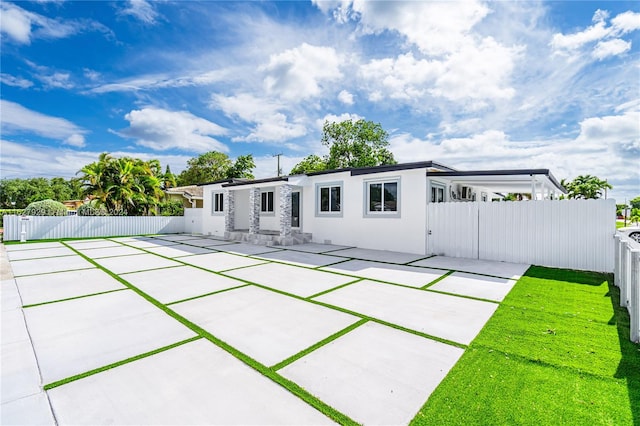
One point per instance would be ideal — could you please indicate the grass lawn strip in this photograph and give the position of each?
(317, 345)
(326, 305)
(116, 364)
(206, 294)
(72, 298)
(557, 351)
(333, 289)
(262, 369)
(437, 280)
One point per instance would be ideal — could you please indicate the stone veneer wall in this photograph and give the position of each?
(254, 210)
(229, 207)
(285, 210)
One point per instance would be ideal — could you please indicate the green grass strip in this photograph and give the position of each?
(319, 344)
(52, 272)
(347, 259)
(292, 387)
(73, 298)
(334, 288)
(205, 295)
(117, 364)
(464, 296)
(418, 260)
(437, 280)
(362, 316)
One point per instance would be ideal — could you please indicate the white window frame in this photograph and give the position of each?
(264, 194)
(329, 185)
(435, 186)
(217, 203)
(367, 194)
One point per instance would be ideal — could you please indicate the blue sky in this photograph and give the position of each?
(474, 85)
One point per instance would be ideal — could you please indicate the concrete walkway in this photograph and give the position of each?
(179, 329)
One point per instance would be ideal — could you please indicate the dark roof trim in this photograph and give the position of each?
(530, 172)
(217, 181)
(251, 182)
(327, 172)
(394, 167)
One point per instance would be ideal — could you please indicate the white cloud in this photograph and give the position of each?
(300, 73)
(22, 25)
(332, 118)
(270, 123)
(91, 74)
(345, 97)
(437, 28)
(626, 22)
(26, 161)
(614, 47)
(16, 118)
(58, 80)
(15, 22)
(600, 33)
(607, 147)
(142, 10)
(161, 130)
(403, 77)
(76, 140)
(474, 74)
(11, 80)
(622, 130)
(478, 72)
(159, 81)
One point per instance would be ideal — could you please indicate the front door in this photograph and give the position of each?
(295, 209)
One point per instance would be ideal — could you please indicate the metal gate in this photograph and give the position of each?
(452, 229)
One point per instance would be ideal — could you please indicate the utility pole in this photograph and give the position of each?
(279, 170)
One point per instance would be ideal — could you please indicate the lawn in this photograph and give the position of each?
(557, 351)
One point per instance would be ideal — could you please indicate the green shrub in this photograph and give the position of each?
(92, 209)
(171, 208)
(46, 208)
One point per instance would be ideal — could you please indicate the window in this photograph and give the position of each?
(437, 193)
(217, 203)
(266, 202)
(382, 198)
(329, 199)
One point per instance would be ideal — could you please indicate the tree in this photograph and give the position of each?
(213, 165)
(358, 143)
(168, 179)
(635, 203)
(127, 186)
(586, 186)
(310, 164)
(242, 168)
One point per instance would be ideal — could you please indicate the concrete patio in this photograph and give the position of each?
(180, 329)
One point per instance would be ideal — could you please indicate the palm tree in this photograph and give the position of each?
(124, 185)
(586, 186)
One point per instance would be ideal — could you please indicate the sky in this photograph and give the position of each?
(474, 85)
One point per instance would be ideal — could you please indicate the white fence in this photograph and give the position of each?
(627, 278)
(54, 227)
(572, 234)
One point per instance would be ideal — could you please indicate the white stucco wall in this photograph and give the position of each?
(404, 233)
(212, 224)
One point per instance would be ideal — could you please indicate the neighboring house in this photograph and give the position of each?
(73, 204)
(190, 196)
(382, 207)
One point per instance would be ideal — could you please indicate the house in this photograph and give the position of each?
(190, 196)
(383, 207)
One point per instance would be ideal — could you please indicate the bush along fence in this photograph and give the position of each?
(17, 228)
(627, 278)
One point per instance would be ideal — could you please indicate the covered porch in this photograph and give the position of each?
(264, 211)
